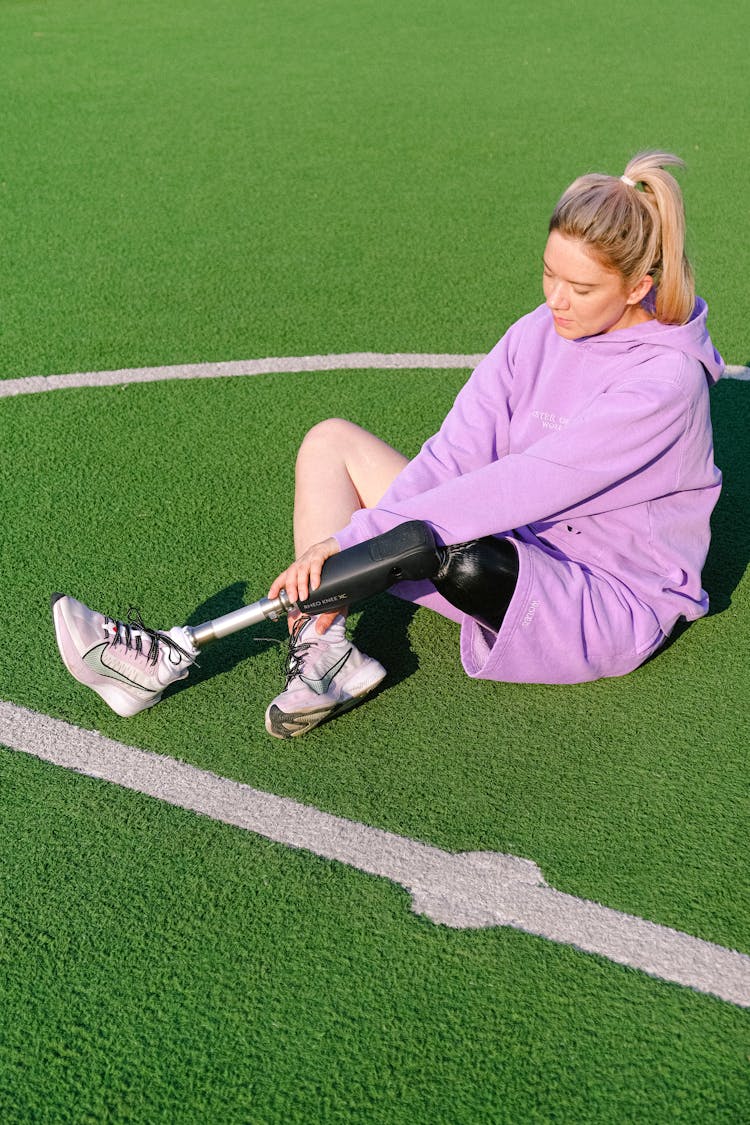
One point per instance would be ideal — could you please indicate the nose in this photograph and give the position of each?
(557, 297)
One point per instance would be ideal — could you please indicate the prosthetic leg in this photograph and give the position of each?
(130, 665)
(407, 552)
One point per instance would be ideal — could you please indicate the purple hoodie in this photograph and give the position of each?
(596, 456)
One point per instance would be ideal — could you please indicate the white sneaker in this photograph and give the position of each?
(126, 663)
(325, 675)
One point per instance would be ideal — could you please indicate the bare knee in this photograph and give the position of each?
(330, 438)
(336, 453)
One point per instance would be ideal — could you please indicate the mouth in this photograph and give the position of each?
(563, 323)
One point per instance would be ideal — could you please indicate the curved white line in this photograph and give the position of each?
(464, 890)
(277, 365)
(273, 365)
(472, 889)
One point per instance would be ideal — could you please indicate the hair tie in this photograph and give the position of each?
(627, 180)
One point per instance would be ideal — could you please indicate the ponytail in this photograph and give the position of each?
(636, 225)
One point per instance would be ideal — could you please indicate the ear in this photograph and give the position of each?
(639, 291)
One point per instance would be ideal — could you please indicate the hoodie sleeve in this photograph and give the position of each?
(475, 431)
(624, 448)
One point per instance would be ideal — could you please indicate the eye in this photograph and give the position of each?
(582, 292)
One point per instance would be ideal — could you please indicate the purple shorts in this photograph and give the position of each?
(566, 624)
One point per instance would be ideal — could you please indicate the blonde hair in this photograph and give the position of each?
(636, 225)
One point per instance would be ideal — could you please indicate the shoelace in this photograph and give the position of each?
(296, 648)
(132, 629)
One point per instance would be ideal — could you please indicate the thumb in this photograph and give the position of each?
(324, 621)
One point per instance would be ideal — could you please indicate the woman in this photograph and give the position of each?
(572, 481)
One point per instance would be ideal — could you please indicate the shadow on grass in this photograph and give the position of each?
(730, 528)
(225, 654)
(382, 631)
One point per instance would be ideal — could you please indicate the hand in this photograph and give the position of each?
(304, 575)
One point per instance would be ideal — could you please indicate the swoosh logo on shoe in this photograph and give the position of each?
(93, 660)
(321, 686)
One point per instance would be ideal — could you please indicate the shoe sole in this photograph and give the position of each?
(306, 720)
(119, 700)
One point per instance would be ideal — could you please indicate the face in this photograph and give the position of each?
(585, 298)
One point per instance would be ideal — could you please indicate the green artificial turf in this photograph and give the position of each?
(629, 791)
(158, 967)
(228, 180)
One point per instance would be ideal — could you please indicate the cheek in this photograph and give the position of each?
(610, 310)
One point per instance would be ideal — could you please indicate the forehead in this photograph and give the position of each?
(572, 260)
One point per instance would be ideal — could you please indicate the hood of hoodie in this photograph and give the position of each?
(691, 339)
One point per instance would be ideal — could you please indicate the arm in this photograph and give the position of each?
(612, 455)
(475, 432)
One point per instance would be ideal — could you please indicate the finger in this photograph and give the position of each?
(284, 582)
(292, 585)
(324, 552)
(277, 585)
(301, 583)
(324, 621)
(316, 570)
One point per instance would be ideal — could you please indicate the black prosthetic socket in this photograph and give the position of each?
(479, 578)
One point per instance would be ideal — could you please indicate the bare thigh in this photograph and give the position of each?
(340, 468)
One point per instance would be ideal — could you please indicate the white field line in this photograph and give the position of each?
(280, 365)
(464, 890)
(34, 384)
(473, 889)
